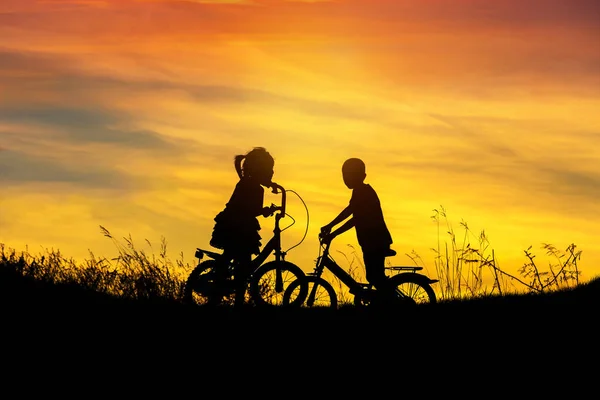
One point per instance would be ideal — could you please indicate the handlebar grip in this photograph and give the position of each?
(275, 188)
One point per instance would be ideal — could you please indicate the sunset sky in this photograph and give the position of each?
(127, 114)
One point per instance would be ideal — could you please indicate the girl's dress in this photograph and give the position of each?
(236, 227)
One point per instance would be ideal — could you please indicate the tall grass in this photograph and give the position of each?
(132, 274)
(467, 267)
(355, 268)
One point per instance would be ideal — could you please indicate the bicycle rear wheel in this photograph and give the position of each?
(414, 287)
(205, 287)
(265, 287)
(311, 292)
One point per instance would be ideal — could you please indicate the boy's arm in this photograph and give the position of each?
(347, 226)
(346, 212)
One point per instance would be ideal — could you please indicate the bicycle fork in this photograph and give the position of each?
(278, 280)
(311, 296)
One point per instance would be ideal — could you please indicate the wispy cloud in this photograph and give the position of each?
(75, 3)
(32, 74)
(89, 126)
(275, 16)
(21, 168)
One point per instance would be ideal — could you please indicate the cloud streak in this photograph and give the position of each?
(21, 168)
(285, 17)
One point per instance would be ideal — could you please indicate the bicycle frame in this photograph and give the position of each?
(327, 262)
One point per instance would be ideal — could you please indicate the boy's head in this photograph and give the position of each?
(354, 172)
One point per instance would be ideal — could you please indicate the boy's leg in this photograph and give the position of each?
(375, 268)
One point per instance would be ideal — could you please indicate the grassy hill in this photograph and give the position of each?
(49, 326)
(138, 301)
(24, 294)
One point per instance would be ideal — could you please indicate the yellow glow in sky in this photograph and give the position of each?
(127, 114)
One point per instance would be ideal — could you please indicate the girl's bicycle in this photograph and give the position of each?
(211, 282)
(311, 290)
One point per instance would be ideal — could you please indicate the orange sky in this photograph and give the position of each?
(127, 114)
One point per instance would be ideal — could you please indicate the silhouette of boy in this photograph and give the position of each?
(367, 218)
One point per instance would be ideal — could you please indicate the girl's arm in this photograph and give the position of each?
(247, 199)
(257, 205)
(267, 211)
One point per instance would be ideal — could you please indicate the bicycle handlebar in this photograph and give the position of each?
(325, 240)
(276, 189)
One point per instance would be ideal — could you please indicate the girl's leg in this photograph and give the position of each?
(241, 273)
(222, 268)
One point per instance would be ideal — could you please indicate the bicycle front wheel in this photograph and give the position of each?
(311, 292)
(414, 287)
(269, 281)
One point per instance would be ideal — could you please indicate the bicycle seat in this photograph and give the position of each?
(390, 253)
(200, 253)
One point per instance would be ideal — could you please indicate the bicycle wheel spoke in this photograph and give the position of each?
(315, 292)
(265, 288)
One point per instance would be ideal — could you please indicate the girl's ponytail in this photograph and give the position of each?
(238, 164)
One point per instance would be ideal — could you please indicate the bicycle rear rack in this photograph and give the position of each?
(410, 268)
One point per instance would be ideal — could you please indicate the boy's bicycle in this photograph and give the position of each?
(211, 282)
(311, 290)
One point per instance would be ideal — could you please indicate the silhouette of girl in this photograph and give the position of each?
(236, 227)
